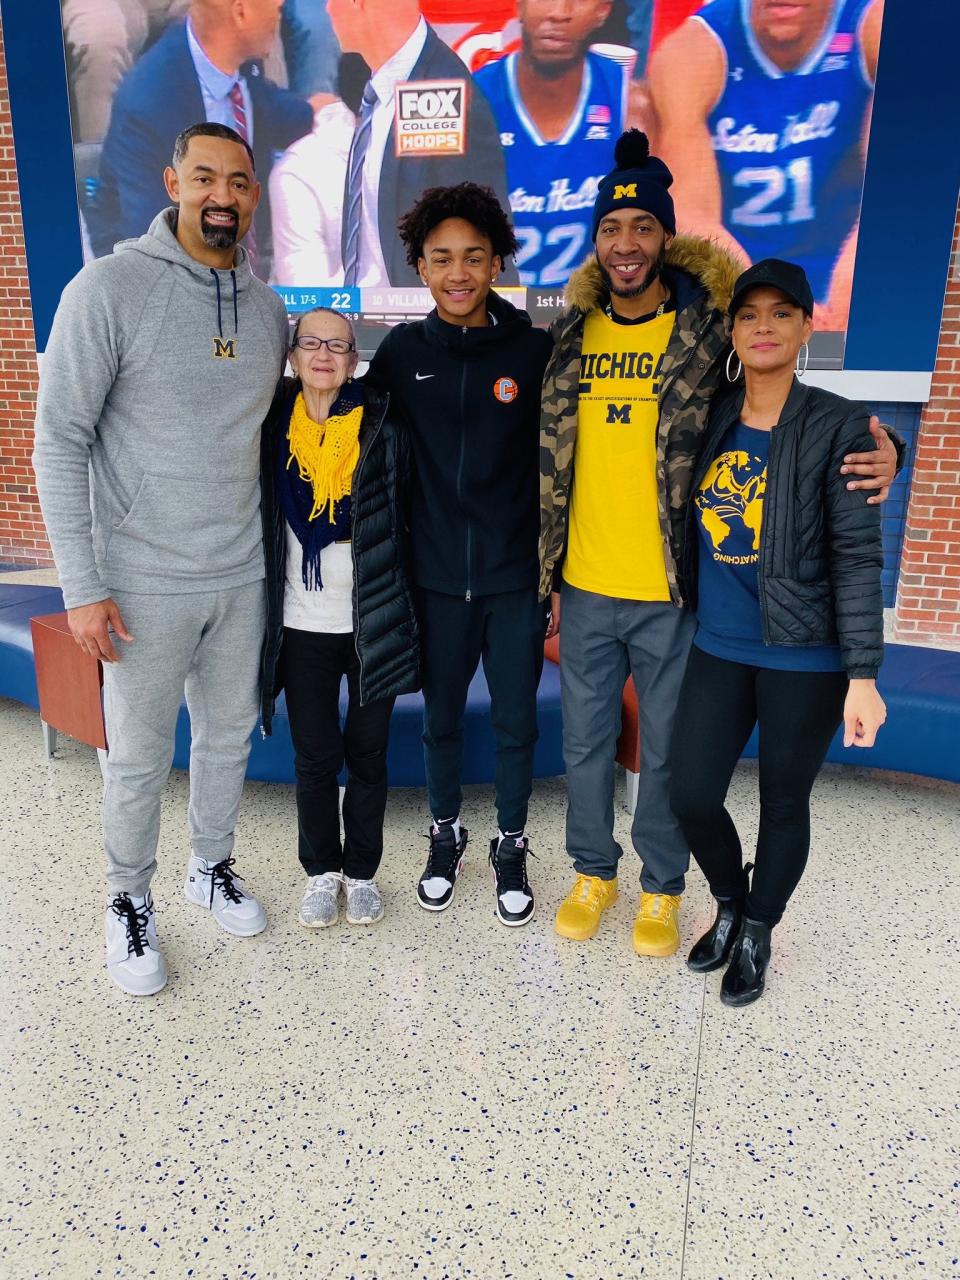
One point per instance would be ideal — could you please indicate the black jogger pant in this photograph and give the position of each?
(798, 713)
(312, 666)
(506, 632)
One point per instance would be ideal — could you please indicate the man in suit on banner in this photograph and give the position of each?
(422, 123)
(205, 68)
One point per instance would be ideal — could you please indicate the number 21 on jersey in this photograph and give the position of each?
(773, 182)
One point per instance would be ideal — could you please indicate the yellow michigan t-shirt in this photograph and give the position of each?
(614, 545)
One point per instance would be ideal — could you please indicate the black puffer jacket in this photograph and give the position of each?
(384, 624)
(820, 548)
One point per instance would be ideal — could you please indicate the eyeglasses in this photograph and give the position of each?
(336, 346)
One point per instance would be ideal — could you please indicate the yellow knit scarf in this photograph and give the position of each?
(326, 453)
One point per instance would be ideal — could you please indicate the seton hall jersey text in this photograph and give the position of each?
(788, 144)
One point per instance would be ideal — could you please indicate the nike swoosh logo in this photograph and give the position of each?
(420, 377)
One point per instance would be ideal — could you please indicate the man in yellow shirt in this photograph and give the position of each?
(637, 356)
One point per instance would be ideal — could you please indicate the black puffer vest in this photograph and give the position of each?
(384, 624)
(820, 548)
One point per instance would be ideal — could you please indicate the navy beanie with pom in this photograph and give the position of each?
(637, 181)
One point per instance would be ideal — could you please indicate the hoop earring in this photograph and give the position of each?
(732, 377)
(806, 349)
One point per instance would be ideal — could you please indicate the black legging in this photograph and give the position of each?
(798, 714)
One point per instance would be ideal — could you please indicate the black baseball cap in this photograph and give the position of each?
(788, 277)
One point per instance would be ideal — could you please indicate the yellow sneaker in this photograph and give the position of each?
(656, 930)
(579, 914)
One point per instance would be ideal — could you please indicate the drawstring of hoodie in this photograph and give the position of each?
(216, 281)
(236, 316)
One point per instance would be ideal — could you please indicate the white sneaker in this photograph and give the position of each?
(134, 959)
(319, 907)
(215, 886)
(364, 903)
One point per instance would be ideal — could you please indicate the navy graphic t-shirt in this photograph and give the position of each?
(729, 510)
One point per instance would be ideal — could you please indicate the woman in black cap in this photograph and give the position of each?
(783, 563)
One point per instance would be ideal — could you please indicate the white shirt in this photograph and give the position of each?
(396, 70)
(329, 610)
(306, 202)
(215, 86)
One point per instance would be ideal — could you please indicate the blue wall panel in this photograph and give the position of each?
(904, 418)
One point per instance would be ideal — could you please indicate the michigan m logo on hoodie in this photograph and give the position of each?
(225, 348)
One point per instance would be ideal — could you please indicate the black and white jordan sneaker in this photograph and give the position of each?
(508, 857)
(436, 886)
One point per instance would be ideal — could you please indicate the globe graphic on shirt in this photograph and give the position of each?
(731, 494)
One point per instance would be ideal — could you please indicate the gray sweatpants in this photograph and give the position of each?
(602, 641)
(205, 644)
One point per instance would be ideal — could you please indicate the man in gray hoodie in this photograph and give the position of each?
(159, 371)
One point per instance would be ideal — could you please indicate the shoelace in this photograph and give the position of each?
(328, 883)
(661, 904)
(443, 855)
(586, 890)
(222, 878)
(135, 923)
(511, 867)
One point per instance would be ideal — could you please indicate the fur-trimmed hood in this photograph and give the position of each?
(714, 267)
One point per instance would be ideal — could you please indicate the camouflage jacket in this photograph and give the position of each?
(701, 276)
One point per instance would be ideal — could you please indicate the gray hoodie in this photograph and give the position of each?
(157, 376)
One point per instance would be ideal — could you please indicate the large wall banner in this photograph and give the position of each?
(761, 108)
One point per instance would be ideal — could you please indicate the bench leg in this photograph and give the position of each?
(633, 786)
(49, 739)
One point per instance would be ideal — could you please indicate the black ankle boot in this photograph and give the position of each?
(743, 981)
(712, 950)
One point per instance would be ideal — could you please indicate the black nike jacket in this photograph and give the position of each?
(471, 399)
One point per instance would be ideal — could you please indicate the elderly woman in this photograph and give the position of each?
(334, 475)
(784, 564)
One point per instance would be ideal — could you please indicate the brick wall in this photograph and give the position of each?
(22, 536)
(928, 599)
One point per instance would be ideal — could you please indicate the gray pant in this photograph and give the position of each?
(602, 641)
(205, 644)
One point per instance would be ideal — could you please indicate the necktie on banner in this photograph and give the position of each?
(240, 123)
(353, 213)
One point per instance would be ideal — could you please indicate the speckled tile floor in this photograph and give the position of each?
(444, 1098)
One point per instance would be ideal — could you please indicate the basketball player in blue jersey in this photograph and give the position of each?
(767, 140)
(558, 107)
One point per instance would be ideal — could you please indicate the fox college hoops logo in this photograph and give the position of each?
(431, 116)
(505, 390)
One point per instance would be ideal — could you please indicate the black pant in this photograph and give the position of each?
(798, 714)
(312, 666)
(506, 631)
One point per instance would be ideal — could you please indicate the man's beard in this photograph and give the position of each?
(219, 237)
(553, 70)
(634, 290)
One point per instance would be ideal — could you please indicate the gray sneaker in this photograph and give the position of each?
(320, 907)
(364, 904)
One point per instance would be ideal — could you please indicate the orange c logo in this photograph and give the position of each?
(505, 389)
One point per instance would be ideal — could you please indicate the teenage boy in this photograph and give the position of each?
(468, 378)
